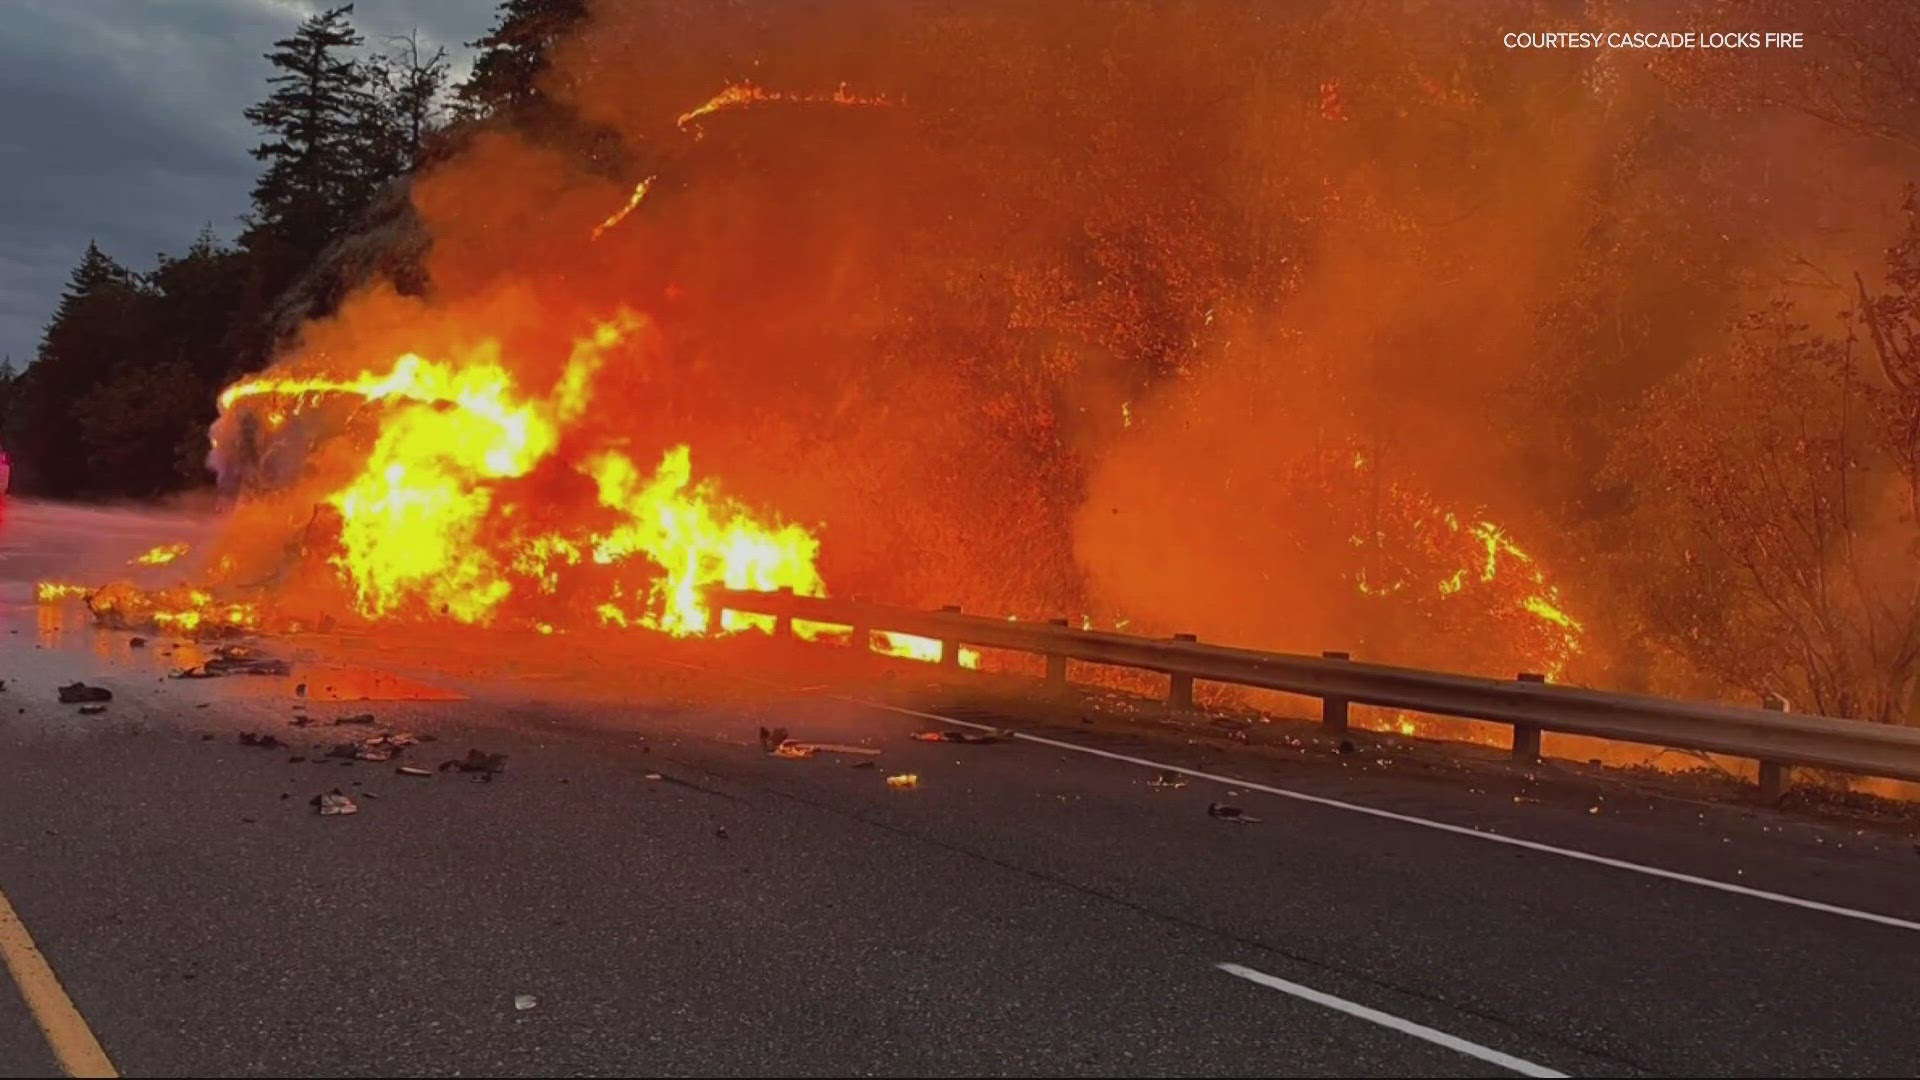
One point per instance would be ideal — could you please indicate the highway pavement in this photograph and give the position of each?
(644, 890)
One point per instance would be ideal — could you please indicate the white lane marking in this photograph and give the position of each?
(1388, 1020)
(1426, 823)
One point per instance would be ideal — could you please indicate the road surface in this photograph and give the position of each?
(645, 891)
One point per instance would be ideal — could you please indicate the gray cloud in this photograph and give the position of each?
(123, 125)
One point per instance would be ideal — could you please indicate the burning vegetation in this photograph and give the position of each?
(1289, 326)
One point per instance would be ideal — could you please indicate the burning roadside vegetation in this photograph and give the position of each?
(1233, 346)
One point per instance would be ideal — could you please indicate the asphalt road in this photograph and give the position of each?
(1027, 909)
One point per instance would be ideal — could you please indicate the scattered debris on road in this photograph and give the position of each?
(771, 740)
(373, 747)
(265, 742)
(364, 718)
(409, 770)
(655, 776)
(791, 749)
(523, 1002)
(904, 781)
(136, 642)
(863, 765)
(74, 693)
(333, 803)
(1229, 813)
(92, 710)
(243, 660)
(977, 737)
(721, 832)
(1167, 780)
(478, 761)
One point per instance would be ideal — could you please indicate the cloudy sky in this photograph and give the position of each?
(122, 124)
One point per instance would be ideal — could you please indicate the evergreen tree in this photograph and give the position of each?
(313, 181)
(513, 55)
(99, 321)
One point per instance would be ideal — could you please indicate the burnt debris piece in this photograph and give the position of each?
(975, 737)
(373, 747)
(772, 738)
(92, 710)
(1226, 812)
(236, 660)
(333, 803)
(267, 742)
(75, 693)
(483, 765)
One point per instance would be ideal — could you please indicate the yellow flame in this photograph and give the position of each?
(160, 555)
(742, 95)
(49, 591)
(639, 192)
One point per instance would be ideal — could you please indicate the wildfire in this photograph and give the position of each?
(742, 95)
(639, 192)
(1439, 566)
(160, 555)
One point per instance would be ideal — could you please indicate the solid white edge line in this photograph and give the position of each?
(1426, 823)
(1388, 1020)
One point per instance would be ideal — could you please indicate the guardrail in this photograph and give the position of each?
(1773, 737)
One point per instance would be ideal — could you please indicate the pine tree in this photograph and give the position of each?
(313, 181)
(513, 55)
(101, 321)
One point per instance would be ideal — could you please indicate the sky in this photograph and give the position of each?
(122, 124)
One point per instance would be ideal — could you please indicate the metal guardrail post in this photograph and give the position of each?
(860, 635)
(1056, 665)
(1333, 710)
(950, 648)
(1773, 774)
(783, 622)
(1526, 737)
(1180, 687)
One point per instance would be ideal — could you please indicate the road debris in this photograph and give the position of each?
(770, 740)
(358, 718)
(523, 1002)
(1227, 812)
(333, 803)
(409, 770)
(92, 710)
(136, 642)
(791, 749)
(265, 742)
(839, 748)
(863, 765)
(243, 660)
(74, 693)
(1167, 780)
(373, 747)
(478, 761)
(904, 781)
(655, 776)
(721, 832)
(976, 737)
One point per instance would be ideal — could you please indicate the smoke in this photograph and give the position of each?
(1196, 315)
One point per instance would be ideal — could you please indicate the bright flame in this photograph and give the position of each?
(743, 95)
(159, 556)
(639, 192)
(50, 591)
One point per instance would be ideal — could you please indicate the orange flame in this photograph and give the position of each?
(160, 555)
(742, 95)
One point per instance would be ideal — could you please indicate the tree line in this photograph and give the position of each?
(118, 398)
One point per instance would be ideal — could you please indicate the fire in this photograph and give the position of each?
(1439, 567)
(182, 609)
(639, 192)
(928, 650)
(742, 95)
(439, 520)
(50, 591)
(160, 555)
